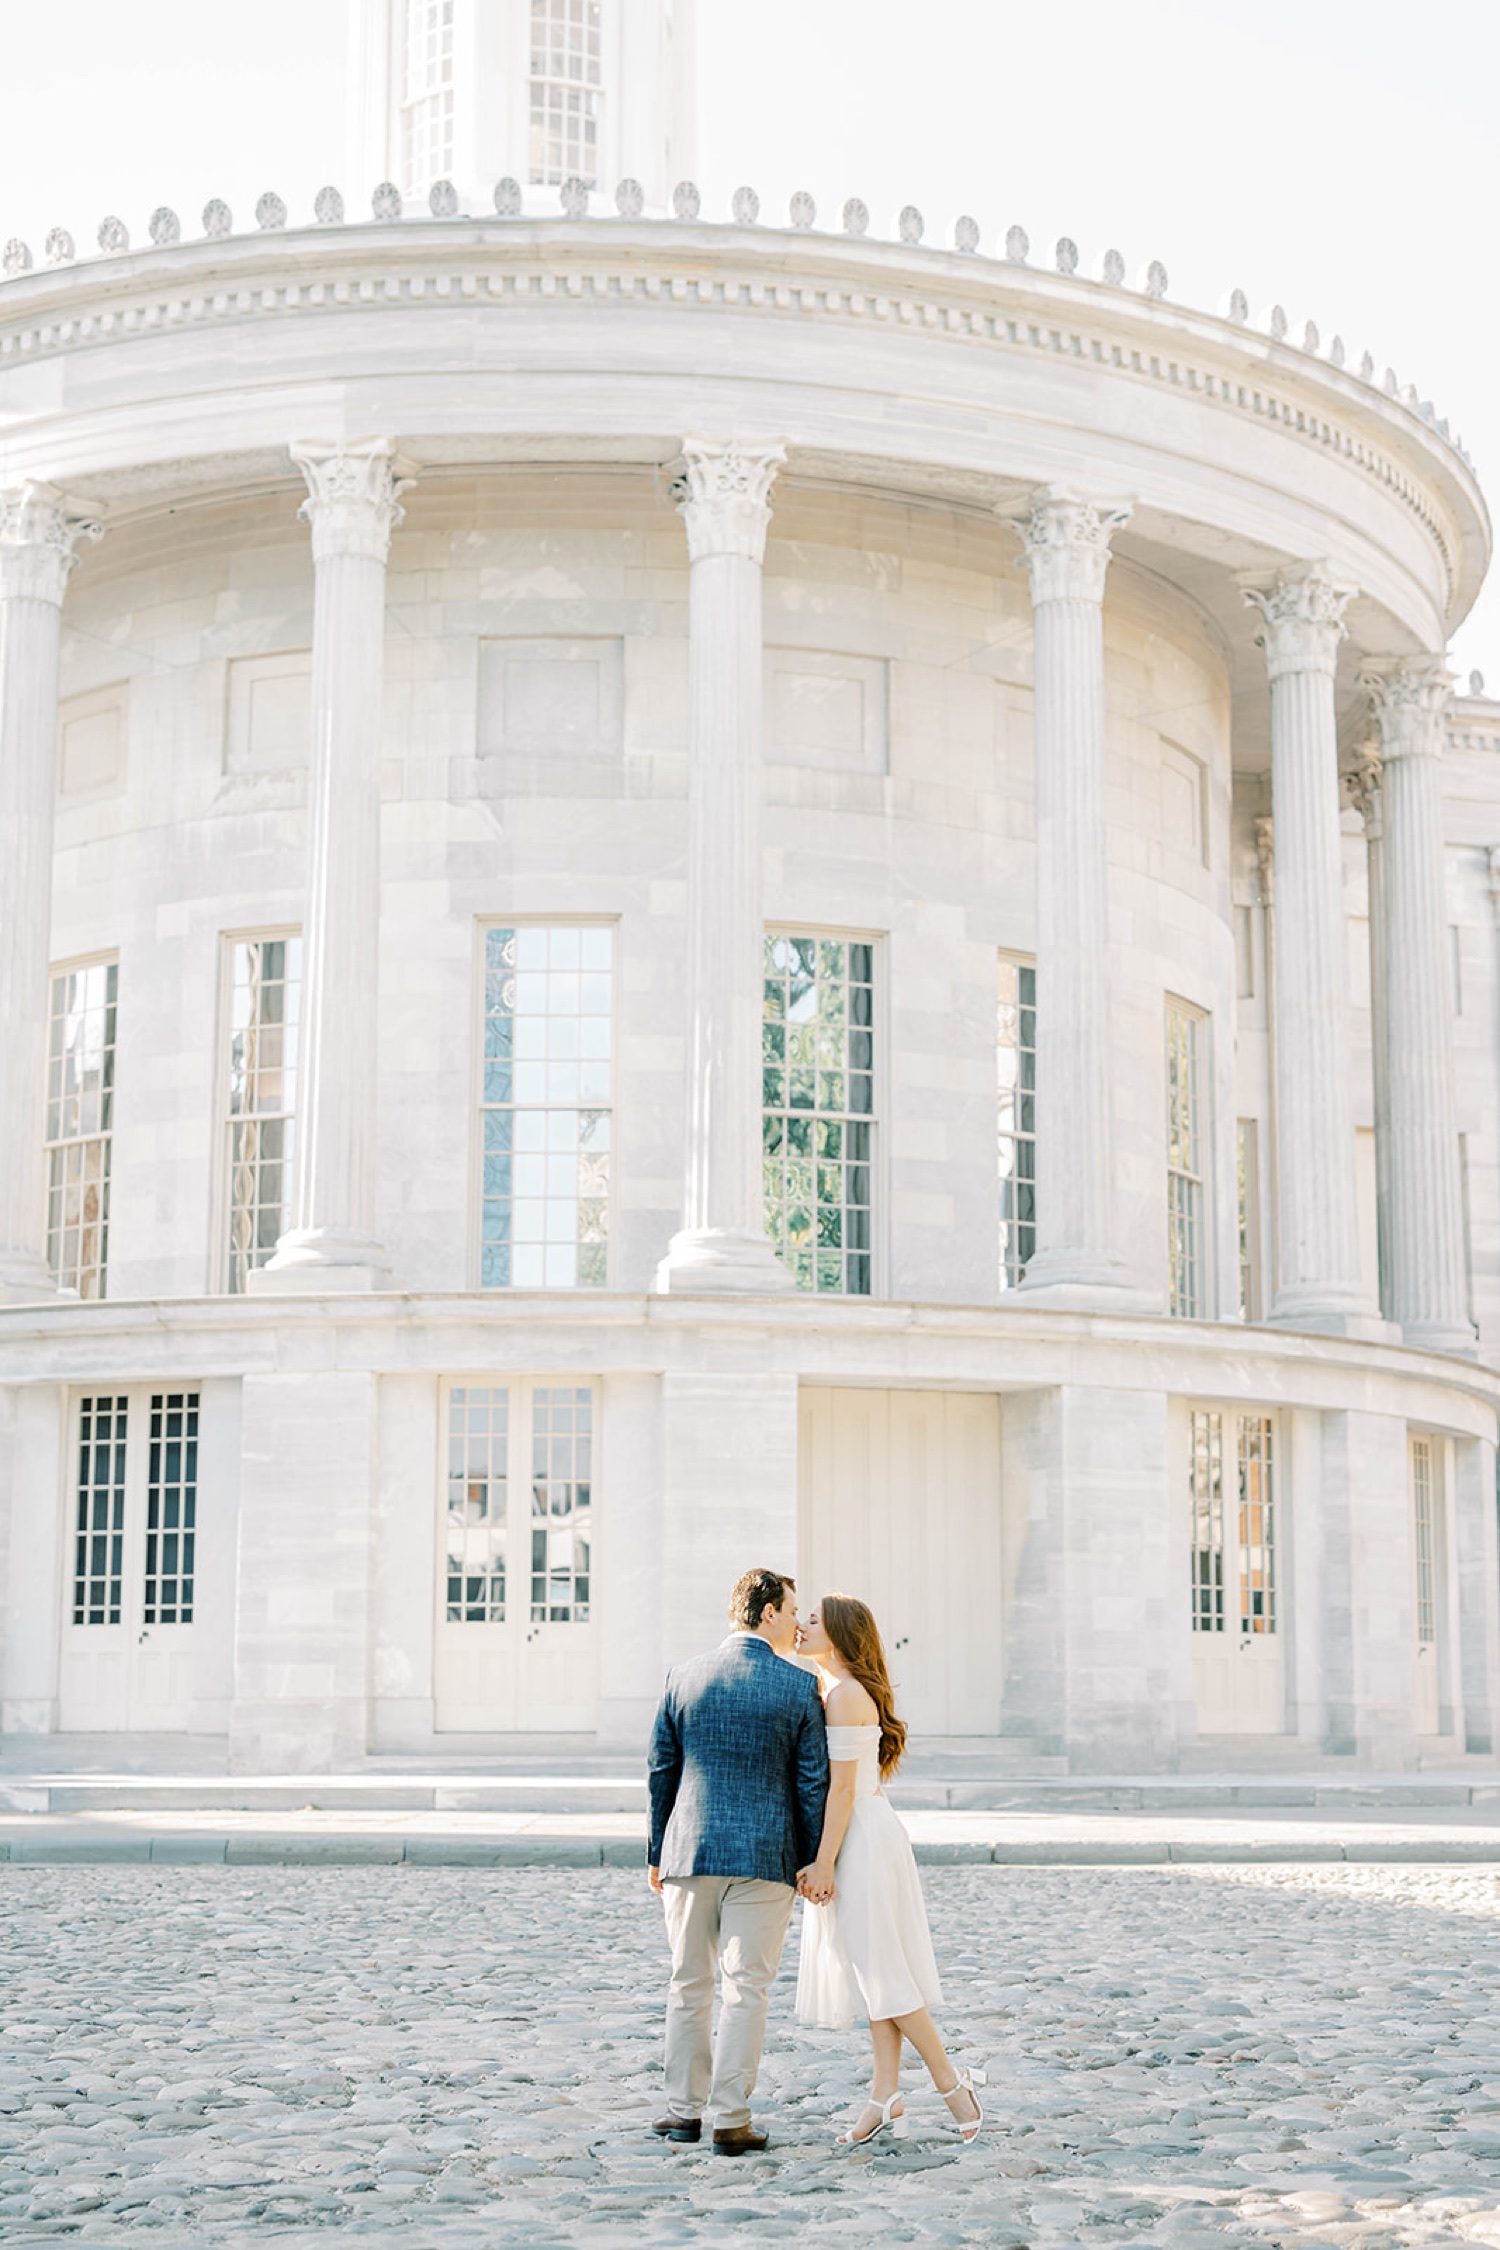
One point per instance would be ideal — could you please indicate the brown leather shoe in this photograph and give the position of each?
(678, 2128)
(738, 2140)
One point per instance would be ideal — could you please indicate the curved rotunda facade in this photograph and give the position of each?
(678, 894)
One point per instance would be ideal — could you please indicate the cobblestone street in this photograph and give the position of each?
(1179, 2057)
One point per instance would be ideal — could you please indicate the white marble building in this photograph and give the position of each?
(679, 890)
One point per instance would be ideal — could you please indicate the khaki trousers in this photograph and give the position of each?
(737, 1925)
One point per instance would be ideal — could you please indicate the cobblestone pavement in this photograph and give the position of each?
(1282, 2055)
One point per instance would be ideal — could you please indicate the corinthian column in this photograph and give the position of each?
(1424, 1193)
(352, 507)
(724, 496)
(1066, 541)
(1319, 1283)
(38, 538)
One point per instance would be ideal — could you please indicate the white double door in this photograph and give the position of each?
(516, 1641)
(131, 1564)
(900, 1506)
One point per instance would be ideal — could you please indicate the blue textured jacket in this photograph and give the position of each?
(738, 1770)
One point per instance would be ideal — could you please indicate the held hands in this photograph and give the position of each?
(816, 1883)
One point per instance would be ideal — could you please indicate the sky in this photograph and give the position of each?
(1333, 156)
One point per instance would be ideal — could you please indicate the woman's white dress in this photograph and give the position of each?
(868, 1952)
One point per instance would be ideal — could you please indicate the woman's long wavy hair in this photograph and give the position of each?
(855, 1634)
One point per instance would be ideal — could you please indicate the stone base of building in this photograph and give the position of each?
(321, 1528)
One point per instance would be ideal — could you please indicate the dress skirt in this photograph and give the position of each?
(868, 1952)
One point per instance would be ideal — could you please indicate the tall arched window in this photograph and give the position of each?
(565, 90)
(427, 94)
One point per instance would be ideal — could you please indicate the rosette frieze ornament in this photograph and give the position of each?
(1066, 540)
(353, 499)
(724, 494)
(1303, 620)
(39, 540)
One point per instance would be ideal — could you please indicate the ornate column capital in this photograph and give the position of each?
(724, 494)
(1409, 697)
(1066, 541)
(353, 498)
(1361, 784)
(38, 541)
(1303, 611)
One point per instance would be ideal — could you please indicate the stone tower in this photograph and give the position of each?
(538, 91)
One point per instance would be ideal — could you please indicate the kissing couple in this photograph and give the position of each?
(767, 1780)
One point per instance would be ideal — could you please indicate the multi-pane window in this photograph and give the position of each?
(478, 1505)
(1257, 1556)
(80, 1122)
(1247, 1191)
(1016, 1055)
(264, 1003)
(544, 1193)
(427, 100)
(562, 1441)
(171, 1508)
(1185, 1232)
(1206, 1498)
(566, 71)
(1251, 1594)
(818, 1089)
(1425, 1528)
(99, 1540)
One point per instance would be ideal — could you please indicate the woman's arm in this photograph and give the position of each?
(841, 1777)
(848, 1706)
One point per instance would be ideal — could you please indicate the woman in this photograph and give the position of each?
(867, 1949)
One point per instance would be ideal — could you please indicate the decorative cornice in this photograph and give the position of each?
(1065, 538)
(1409, 697)
(1303, 611)
(1063, 318)
(353, 498)
(724, 494)
(39, 541)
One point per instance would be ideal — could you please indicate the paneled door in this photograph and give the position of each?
(515, 1648)
(900, 1505)
(1239, 1677)
(131, 1564)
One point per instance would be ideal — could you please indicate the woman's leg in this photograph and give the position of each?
(885, 2040)
(920, 2029)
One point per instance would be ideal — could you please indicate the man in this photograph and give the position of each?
(738, 1776)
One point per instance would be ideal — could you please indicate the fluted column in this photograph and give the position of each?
(1318, 1266)
(1066, 540)
(1424, 1192)
(724, 496)
(352, 507)
(38, 542)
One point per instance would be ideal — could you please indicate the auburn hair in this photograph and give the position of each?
(853, 1631)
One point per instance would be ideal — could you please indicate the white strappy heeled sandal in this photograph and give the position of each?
(892, 2121)
(965, 2082)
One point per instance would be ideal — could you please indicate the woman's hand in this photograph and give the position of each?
(816, 1883)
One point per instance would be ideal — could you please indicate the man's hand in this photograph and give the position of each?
(815, 1883)
(653, 1877)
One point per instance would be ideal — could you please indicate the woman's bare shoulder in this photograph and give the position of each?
(850, 1705)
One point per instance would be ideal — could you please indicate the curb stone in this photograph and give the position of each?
(181, 1850)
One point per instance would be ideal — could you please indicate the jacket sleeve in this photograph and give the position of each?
(811, 1777)
(663, 1775)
